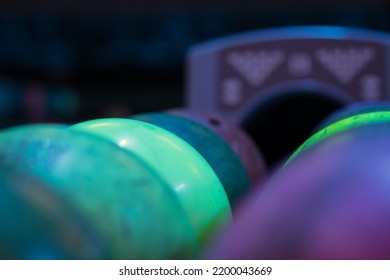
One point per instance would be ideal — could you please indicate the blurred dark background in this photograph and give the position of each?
(68, 60)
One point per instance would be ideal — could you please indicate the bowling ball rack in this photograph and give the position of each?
(279, 82)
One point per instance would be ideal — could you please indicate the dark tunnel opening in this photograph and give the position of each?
(281, 124)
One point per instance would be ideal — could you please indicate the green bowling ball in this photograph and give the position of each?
(217, 152)
(353, 110)
(345, 124)
(178, 163)
(127, 211)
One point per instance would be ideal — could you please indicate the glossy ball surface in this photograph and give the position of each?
(353, 110)
(218, 154)
(331, 203)
(177, 163)
(238, 140)
(128, 212)
(364, 119)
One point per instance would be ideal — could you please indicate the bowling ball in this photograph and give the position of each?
(218, 154)
(38, 224)
(364, 119)
(129, 213)
(177, 163)
(353, 110)
(331, 203)
(238, 140)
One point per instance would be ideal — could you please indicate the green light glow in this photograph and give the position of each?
(177, 163)
(342, 125)
(104, 202)
(218, 153)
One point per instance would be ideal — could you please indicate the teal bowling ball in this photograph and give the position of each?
(130, 213)
(38, 224)
(216, 151)
(235, 136)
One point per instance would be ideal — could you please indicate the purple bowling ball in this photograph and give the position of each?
(331, 203)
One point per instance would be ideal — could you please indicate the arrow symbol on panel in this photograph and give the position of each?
(255, 66)
(345, 64)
